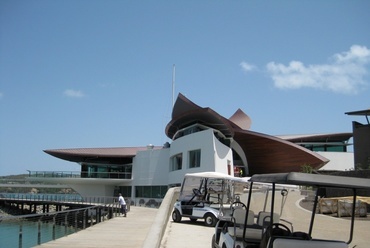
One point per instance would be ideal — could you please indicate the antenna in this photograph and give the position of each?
(173, 85)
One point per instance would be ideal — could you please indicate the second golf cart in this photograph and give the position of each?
(203, 194)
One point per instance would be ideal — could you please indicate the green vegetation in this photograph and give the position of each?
(306, 168)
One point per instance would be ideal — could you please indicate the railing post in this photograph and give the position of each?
(84, 219)
(99, 215)
(65, 224)
(39, 231)
(76, 215)
(54, 219)
(91, 219)
(20, 235)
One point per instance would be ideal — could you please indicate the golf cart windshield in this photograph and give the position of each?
(211, 187)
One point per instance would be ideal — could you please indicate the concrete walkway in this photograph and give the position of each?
(144, 227)
(116, 232)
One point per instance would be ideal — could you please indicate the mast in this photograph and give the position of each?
(173, 85)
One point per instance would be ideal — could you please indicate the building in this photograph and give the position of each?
(361, 140)
(202, 140)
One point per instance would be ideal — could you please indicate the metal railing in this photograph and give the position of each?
(63, 198)
(79, 174)
(34, 229)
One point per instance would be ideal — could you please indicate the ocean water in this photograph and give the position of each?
(10, 228)
(9, 233)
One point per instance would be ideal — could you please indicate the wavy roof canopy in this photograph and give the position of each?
(265, 153)
(185, 113)
(115, 155)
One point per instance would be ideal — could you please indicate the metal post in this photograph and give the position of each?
(76, 215)
(65, 224)
(84, 219)
(54, 219)
(353, 216)
(99, 215)
(313, 212)
(91, 219)
(39, 231)
(20, 235)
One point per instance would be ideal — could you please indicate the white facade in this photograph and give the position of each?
(340, 161)
(215, 156)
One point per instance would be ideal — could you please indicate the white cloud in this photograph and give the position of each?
(74, 93)
(344, 74)
(247, 67)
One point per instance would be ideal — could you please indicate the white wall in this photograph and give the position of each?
(338, 161)
(151, 167)
(223, 158)
(94, 190)
(213, 154)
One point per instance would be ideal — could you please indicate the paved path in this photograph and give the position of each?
(133, 230)
(187, 234)
(116, 232)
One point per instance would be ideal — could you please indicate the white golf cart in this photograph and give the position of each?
(203, 194)
(249, 227)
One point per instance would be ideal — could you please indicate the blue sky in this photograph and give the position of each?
(90, 73)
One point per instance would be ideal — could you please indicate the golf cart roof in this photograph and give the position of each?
(217, 175)
(296, 178)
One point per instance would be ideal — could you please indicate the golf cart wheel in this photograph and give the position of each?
(176, 216)
(210, 220)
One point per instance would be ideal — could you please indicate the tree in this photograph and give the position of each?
(306, 168)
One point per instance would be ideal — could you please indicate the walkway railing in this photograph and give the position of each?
(79, 174)
(34, 229)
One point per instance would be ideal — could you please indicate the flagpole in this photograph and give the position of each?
(173, 85)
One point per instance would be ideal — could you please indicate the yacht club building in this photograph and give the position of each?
(201, 140)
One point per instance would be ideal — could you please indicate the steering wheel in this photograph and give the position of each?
(284, 192)
(279, 229)
(196, 191)
(237, 204)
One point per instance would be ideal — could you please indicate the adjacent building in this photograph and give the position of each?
(361, 140)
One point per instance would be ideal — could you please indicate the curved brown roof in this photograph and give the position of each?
(115, 155)
(269, 154)
(265, 153)
(241, 119)
(186, 113)
(327, 137)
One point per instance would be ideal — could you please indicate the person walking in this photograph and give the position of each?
(122, 202)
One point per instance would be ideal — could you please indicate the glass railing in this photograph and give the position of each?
(79, 174)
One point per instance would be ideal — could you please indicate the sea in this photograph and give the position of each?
(10, 228)
(9, 233)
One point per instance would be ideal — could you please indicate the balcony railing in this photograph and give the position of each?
(80, 174)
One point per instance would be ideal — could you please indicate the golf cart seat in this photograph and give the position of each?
(293, 243)
(264, 218)
(253, 231)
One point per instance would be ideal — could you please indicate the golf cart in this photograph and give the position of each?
(203, 194)
(267, 229)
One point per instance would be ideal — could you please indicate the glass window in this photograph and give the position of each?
(176, 162)
(194, 158)
(124, 190)
(150, 191)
